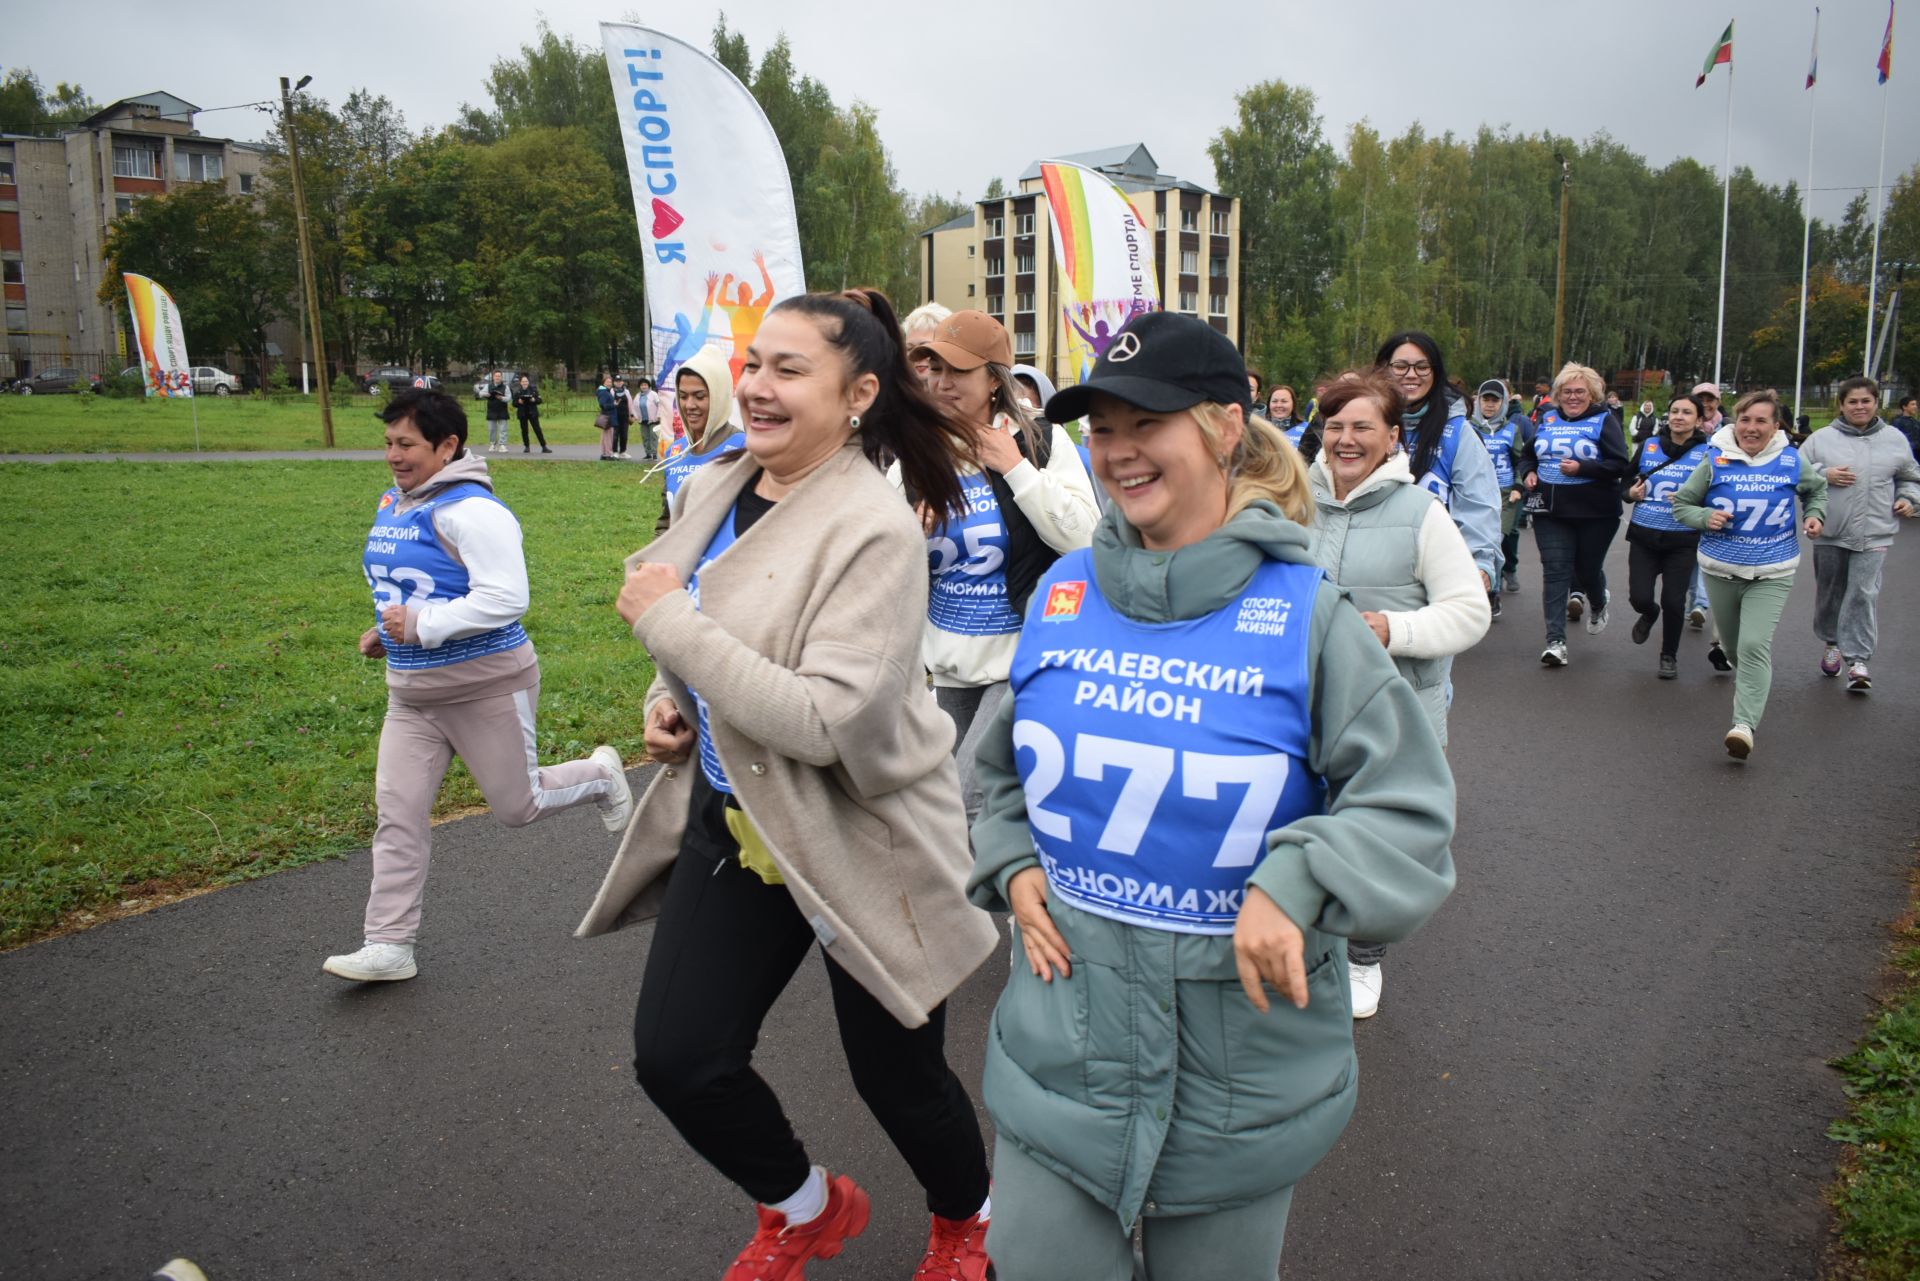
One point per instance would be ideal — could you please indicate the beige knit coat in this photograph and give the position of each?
(806, 647)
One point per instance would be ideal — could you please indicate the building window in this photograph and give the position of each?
(1023, 264)
(1023, 344)
(996, 266)
(996, 303)
(1189, 262)
(996, 226)
(969, 291)
(122, 205)
(83, 322)
(1217, 268)
(1189, 302)
(969, 251)
(6, 171)
(198, 166)
(1219, 222)
(1217, 305)
(246, 187)
(136, 162)
(1023, 304)
(16, 320)
(1023, 224)
(1189, 220)
(1159, 220)
(11, 272)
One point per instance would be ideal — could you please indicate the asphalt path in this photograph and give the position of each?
(1605, 1057)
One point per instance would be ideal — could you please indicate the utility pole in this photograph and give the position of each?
(1560, 284)
(306, 257)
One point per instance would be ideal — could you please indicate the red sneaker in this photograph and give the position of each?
(780, 1253)
(956, 1250)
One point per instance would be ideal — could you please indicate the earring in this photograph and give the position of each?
(855, 422)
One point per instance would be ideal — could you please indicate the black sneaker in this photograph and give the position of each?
(1510, 582)
(1718, 657)
(1493, 603)
(1669, 669)
(1643, 628)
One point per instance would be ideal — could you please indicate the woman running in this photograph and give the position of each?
(1390, 545)
(1742, 496)
(449, 587)
(1573, 496)
(1506, 435)
(1208, 771)
(1658, 546)
(1029, 501)
(809, 793)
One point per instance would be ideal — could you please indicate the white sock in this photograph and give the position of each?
(805, 1205)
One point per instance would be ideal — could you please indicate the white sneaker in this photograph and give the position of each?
(1364, 982)
(618, 807)
(1858, 681)
(1597, 620)
(1739, 742)
(1696, 618)
(1555, 654)
(1576, 605)
(374, 963)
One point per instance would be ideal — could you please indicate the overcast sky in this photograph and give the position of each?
(969, 92)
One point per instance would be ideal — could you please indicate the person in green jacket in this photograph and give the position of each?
(1207, 775)
(1742, 498)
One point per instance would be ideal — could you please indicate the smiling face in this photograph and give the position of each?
(1355, 441)
(1682, 419)
(1755, 426)
(1575, 398)
(1280, 404)
(411, 459)
(798, 396)
(1858, 408)
(1159, 470)
(1410, 368)
(967, 393)
(694, 402)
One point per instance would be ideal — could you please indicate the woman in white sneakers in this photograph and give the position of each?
(449, 587)
(1029, 501)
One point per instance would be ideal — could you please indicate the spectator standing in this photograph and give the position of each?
(1646, 422)
(622, 416)
(526, 403)
(499, 395)
(647, 407)
(604, 419)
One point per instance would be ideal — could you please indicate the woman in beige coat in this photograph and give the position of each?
(807, 794)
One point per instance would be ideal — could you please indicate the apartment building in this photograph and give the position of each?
(59, 195)
(999, 258)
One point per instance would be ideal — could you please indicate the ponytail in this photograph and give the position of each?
(904, 424)
(1264, 466)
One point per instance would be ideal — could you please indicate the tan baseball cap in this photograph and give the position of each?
(1707, 389)
(967, 340)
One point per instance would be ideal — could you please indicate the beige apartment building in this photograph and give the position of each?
(59, 195)
(999, 258)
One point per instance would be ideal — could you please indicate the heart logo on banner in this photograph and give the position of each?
(665, 218)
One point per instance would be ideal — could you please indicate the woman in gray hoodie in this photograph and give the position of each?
(1207, 776)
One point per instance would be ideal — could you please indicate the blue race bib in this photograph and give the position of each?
(1559, 439)
(1655, 511)
(405, 564)
(723, 538)
(1761, 502)
(967, 559)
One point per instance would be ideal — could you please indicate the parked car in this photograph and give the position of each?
(50, 381)
(394, 377)
(209, 381)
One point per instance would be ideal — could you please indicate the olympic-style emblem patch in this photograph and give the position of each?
(1063, 601)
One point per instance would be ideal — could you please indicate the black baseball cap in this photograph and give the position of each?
(1163, 362)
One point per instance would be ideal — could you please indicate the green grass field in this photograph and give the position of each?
(181, 703)
(104, 424)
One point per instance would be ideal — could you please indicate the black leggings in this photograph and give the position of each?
(531, 420)
(725, 948)
(620, 425)
(1672, 563)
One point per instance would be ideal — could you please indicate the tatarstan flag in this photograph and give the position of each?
(1722, 52)
(1886, 47)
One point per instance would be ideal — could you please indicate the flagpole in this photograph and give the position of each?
(1879, 209)
(1726, 199)
(1806, 237)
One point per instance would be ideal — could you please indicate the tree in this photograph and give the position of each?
(25, 107)
(996, 190)
(216, 255)
(555, 83)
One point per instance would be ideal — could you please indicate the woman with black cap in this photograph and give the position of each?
(1207, 771)
(1031, 502)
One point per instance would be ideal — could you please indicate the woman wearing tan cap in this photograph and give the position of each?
(1032, 502)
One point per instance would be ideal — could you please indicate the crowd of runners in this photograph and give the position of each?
(1172, 696)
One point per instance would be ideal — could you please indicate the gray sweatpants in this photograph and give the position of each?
(498, 430)
(1846, 600)
(1046, 1229)
(494, 736)
(972, 709)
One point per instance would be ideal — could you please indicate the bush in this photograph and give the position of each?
(279, 383)
(122, 386)
(345, 387)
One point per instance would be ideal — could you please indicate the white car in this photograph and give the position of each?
(209, 381)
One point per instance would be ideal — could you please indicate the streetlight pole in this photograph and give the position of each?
(1560, 285)
(306, 257)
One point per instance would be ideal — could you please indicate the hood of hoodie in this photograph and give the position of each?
(1851, 430)
(710, 363)
(1396, 470)
(1163, 587)
(1500, 415)
(468, 468)
(1724, 442)
(1041, 381)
